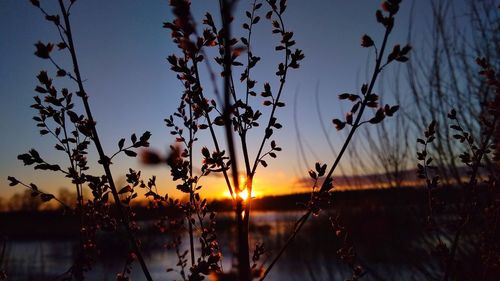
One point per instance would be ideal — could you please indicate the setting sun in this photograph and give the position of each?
(243, 194)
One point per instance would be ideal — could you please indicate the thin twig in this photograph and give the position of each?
(325, 187)
(103, 158)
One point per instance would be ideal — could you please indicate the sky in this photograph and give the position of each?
(122, 50)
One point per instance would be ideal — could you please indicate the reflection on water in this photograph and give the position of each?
(389, 251)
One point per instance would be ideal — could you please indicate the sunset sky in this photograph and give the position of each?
(122, 48)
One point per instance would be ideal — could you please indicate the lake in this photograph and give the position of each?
(391, 246)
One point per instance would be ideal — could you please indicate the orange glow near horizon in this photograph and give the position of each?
(243, 194)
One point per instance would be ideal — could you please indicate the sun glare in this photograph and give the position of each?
(243, 194)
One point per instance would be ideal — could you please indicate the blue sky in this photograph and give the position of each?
(122, 48)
